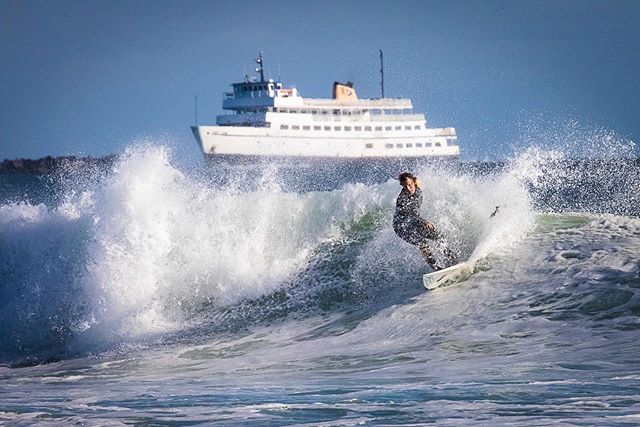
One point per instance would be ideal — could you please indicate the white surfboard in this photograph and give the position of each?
(449, 274)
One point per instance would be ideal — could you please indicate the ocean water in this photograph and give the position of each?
(150, 293)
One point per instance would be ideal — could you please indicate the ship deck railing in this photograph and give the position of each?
(363, 118)
(359, 103)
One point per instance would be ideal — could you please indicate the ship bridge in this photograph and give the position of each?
(256, 95)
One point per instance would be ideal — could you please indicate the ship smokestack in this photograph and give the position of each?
(344, 91)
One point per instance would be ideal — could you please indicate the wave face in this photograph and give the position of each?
(231, 268)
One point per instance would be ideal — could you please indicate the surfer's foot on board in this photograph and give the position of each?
(428, 257)
(450, 257)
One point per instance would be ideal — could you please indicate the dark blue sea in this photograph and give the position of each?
(145, 292)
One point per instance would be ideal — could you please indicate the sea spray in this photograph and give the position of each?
(571, 166)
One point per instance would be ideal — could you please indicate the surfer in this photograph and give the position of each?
(408, 224)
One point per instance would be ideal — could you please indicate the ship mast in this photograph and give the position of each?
(381, 73)
(260, 68)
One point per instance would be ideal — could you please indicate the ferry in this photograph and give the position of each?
(264, 119)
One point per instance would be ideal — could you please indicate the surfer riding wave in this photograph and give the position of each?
(411, 227)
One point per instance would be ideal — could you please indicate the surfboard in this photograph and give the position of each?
(449, 274)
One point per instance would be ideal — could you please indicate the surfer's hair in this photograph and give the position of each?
(408, 175)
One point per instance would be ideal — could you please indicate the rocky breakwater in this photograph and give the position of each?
(49, 164)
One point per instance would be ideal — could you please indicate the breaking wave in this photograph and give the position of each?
(143, 250)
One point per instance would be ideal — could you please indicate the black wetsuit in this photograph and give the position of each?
(407, 222)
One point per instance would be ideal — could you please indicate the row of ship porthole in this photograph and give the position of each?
(348, 128)
(408, 145)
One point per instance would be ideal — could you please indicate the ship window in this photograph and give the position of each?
(306, 127)
(416, 127)
(409, 145)
(347, 128)
(437, 144)
(304, 111)
(327, 128)
(407, 128)
(284, 126)
(378, 127)
(398, 127)
(387, 128)
(295, 127)
(368, 145)
(398, 145)
(337, 128)
(427, 144)
(357, 128)
(314, 111)
(388, 146)
(317, 128)
(418, 144)
(451, 142)
(324, 112)
(367, 128)
(336, 112)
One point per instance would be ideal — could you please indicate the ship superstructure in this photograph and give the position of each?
(265, 119)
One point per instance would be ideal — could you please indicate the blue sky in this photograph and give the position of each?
(93, 77)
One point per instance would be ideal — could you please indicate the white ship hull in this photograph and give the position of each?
(267, 142)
